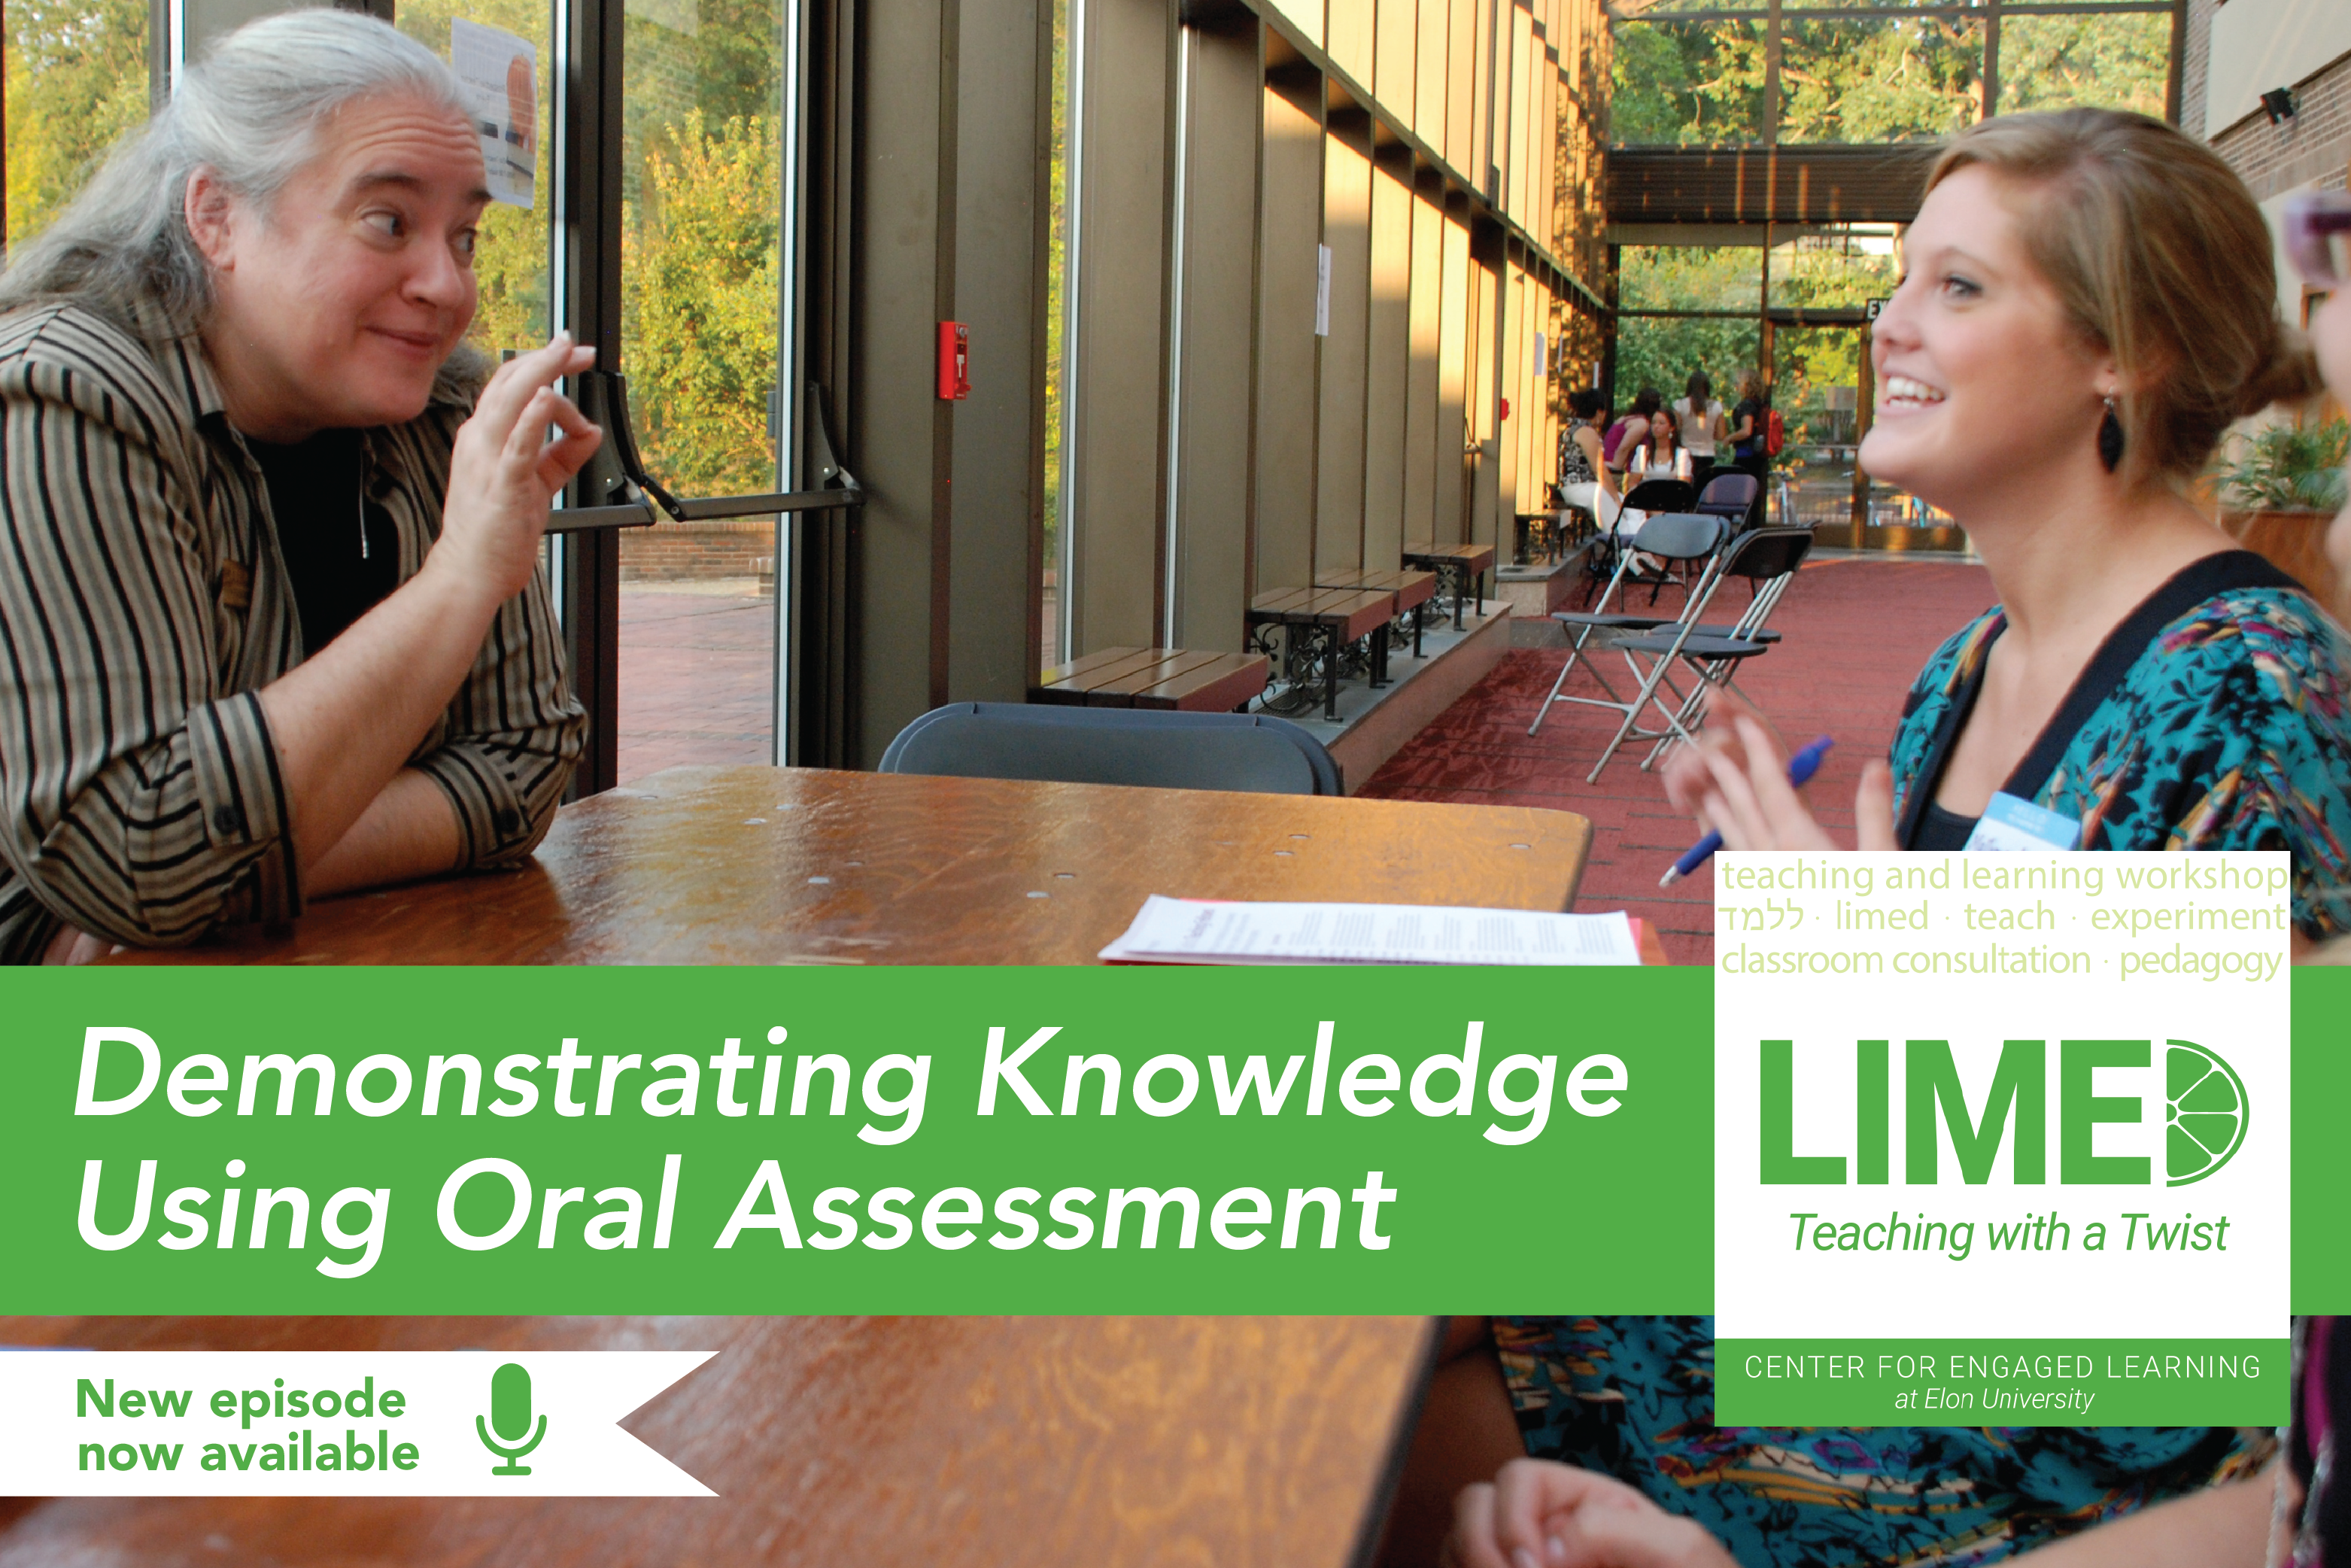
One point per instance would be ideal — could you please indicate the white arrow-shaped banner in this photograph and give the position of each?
(463, 1423)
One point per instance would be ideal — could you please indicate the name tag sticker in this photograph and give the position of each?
(2012, 824)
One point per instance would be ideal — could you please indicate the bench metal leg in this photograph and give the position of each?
(1379, 656)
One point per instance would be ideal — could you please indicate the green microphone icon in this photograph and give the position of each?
(509, 1419)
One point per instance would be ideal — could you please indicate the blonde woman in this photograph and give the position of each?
(2089, 302)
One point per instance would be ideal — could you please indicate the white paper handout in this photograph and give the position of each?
(1208, 931)
(501, 76)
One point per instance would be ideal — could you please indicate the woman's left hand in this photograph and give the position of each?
(1735, 782)
(1539, 1514)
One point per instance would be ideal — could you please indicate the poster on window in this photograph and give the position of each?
(501, 76)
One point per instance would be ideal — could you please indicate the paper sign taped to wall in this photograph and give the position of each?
(500, 72)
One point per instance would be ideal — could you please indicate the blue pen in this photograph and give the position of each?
(1801, 768)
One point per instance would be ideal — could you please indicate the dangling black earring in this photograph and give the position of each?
(2110, 439)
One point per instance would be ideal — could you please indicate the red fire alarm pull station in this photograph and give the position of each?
(955, 361)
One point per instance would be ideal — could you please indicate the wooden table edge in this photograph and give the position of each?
(1370, 1529)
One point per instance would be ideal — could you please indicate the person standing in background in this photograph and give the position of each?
(1698, 422)
(1747, 422)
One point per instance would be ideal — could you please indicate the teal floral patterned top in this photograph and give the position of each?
(1633, 1397)
(2213, 719)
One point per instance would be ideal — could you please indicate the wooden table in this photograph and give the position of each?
(1458, 565)
(1182, 679)
(1323, 622)
(764, 865)
(833, 1442)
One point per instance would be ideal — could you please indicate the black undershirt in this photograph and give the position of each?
(1942, 830)
(314, 498)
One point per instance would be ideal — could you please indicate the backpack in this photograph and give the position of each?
(1775, 435)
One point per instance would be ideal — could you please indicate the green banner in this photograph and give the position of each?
(2001, 1382)
(825, 1140)
(425, 1141)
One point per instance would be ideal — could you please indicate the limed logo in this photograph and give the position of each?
(2205, 1112)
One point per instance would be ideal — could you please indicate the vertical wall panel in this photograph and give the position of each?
(1479, 404)
(1461, 84)
(1508, 447)
(1289, 228)
(1112, 442)
(1482, 56)
(1527, 131)
(1394, 81)
(1387, 363)
(1453, 348)
(1432, 42)
(1304, 14)
(1214, 340)
(898, 420)
(996, 276)
(1339, 463)
(1422, 377)
(1348, 24)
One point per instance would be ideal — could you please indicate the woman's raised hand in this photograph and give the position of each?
(504, 473)
(1734, 781)
(1538, 1514)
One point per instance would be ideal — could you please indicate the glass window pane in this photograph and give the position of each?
(2099, 62)
(1659, 354)
(1844, 266)
(700, 268)
(1627, 10)
(1816, 376)
(1688, 84)
(1903, 78)
(77, 81)
(510, 255)
(1691, 277)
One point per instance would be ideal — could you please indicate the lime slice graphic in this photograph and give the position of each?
(2205, 1112)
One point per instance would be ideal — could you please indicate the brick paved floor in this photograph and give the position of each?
(695, 676)
(1857, 632)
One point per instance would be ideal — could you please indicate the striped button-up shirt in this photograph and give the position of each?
(144, 605)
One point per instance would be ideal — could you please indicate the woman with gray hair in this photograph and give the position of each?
(270, 600)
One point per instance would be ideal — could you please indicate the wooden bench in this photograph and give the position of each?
(1323, 621)
(1412, 589)
(1178, 678)
(1457, 566)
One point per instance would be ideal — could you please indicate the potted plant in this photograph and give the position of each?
(2279, 495)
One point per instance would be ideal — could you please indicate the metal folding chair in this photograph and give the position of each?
(1768, 560)
(1730, 497)
(1677, 538)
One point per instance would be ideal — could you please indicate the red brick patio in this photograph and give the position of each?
(695, 676)
(1857, 632)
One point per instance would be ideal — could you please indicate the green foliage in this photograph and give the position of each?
(2286, 468)
(700, 265)
(1688, 84)
(1899, 79)
(77, 80)
(705, 278)
(1867, 80)
(2065, 62)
